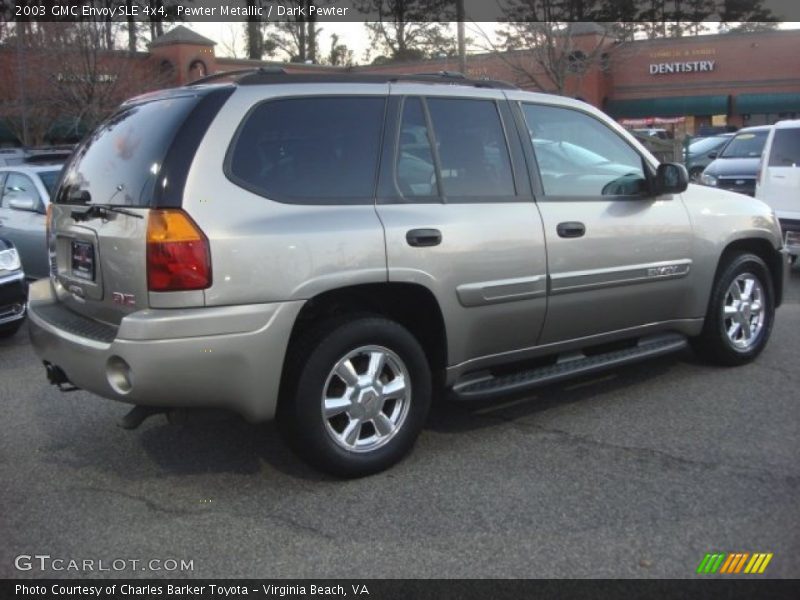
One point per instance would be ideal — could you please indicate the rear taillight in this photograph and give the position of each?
(178, 255)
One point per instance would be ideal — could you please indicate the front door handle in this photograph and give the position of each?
(571, 229)
(424, 237)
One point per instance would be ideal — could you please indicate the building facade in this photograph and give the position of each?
(725, 80)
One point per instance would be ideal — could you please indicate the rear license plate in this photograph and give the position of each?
(83, 260)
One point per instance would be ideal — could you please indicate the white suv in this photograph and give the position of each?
(778, 181)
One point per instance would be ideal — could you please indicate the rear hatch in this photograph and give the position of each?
(134, 162)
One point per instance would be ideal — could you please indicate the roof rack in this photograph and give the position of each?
(238, 73)
(276, 76)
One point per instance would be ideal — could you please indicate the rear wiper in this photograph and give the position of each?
(102, 211)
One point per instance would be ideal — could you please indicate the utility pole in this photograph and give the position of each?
(462, 50)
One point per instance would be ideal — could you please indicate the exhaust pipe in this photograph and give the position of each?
(57, 377)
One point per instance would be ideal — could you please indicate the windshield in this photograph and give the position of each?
(121, 160)
(706, 144)
(746, 145)
(49, 179)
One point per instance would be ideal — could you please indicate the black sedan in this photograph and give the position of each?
(13, 290)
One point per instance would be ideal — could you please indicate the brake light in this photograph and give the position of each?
(178, 255)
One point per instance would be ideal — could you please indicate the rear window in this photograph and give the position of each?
(321, 150)
(785, 150)
(121, 160)
(746, 145)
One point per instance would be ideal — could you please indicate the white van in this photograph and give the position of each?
(778, 180)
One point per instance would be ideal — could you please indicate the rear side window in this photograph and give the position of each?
(785, 150)
(579, 156)
(472, 148)
(121, 160)
(321, 150)
(49, 179)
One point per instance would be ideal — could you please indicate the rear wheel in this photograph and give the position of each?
(357, 395)
(740, 313)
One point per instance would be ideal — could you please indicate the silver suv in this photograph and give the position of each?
(335, 251)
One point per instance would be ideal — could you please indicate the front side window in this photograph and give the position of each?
(473, 153)
(785, 150)
(578, 155)
(320, 150)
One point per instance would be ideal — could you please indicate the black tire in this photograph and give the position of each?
(309, 376)
(694, 174)
(714, 343)
(10, 329)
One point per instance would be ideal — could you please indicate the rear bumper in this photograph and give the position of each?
(13, 296)
(214, 357)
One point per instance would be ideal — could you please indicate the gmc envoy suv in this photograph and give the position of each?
(337, 251)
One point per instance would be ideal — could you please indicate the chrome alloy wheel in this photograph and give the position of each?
(366, 398)
(743, 315)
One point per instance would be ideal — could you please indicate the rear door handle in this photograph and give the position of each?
(424, 237)
(571, 229)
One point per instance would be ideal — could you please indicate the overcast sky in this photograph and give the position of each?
(353, 34)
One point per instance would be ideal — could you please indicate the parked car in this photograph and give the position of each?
(335, 251)
(699, 152)
(734, 168)
(25, 192)
(778, 181)
(657, 132)
(13, 290)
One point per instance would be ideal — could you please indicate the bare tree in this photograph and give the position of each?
(295, 39)
(409, 29)
(339, 54)
(547, 55)
(81, 88)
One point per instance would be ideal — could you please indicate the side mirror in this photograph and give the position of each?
(713, 155)
(671, 178)
(26, 203)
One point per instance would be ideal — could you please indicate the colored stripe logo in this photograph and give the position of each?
(732, 563)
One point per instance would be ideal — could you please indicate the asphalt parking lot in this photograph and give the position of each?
(637, 473)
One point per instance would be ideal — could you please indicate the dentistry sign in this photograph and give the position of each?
(692, 66)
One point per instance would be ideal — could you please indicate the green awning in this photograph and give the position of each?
(675, 106)
(767, 103)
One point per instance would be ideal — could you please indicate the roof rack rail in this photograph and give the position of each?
(238, 73)
(258, 77)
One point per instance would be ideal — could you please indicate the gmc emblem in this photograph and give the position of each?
(123, 299)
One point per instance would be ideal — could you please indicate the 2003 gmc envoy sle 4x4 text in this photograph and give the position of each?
(336, 251)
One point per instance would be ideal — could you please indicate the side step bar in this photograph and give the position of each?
(490, 387)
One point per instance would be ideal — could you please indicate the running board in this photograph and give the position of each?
(567, 367)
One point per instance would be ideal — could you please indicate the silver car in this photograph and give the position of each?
(336, 251)
(25, 192)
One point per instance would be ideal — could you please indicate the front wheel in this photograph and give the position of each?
(740, 313)
(357, 395)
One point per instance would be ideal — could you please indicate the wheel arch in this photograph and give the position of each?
(766, 251)
(411, 305)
